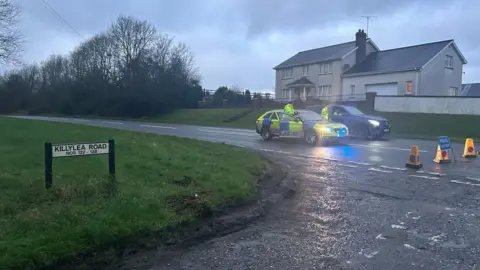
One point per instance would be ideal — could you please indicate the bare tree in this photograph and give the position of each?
(10, 38)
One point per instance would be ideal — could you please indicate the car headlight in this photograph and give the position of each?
(374, 123)
(326, 129)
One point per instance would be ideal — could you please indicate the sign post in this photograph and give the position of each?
(78, 149)
(48, 165)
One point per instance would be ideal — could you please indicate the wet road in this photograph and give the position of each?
(357, 207)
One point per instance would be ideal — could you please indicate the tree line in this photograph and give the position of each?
(129, 70)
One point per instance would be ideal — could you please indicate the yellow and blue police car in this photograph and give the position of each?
(307, 125)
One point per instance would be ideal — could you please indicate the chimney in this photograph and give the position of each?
(361, 43)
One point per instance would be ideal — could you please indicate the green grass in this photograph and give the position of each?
(157, 179)
(203, 117)
(430, 126)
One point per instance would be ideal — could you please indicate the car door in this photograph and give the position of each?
(337, 114)
(289, 127)
(275, 126)
(343, 116)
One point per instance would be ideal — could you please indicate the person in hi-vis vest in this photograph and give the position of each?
(325, 112)
(289, 108)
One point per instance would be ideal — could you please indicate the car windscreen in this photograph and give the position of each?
(352, 110)
(310, 116)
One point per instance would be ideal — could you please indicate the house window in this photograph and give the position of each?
(448, 61)
(326, 68)
(288, 73)
(325, 90)
(352, 90)
(305, 70)
(453, 91)
(409, 89)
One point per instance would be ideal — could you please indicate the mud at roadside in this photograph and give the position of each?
(347, 217)
(273, 188)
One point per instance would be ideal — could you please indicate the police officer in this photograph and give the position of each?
(289, 108)
(325, 112)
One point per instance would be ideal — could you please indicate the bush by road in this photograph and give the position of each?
(162, 182)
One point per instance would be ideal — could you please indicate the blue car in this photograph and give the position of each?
(359, 124)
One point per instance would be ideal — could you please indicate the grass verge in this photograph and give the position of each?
(430, 126)
(162, 182)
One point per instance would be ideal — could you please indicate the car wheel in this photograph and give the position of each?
(361, 131)
(266, 134)
(311, 138)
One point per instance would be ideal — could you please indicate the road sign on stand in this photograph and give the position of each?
(78, 149)
(443, 147)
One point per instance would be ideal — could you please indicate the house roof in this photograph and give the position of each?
(470, 90)
(399, 59)
(300, 82)
(328, 53)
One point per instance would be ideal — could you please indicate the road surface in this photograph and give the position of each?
(357, 207)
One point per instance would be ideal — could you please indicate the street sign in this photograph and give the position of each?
(444, 143)
(78, 149)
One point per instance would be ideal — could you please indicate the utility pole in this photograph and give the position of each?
(368, 21)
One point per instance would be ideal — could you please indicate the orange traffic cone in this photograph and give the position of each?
(414, 158)
(442, 156)
(469, 150)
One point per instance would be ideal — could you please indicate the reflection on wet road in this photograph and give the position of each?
(357, 207)
(348, 217)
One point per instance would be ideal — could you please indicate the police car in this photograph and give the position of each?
(307, 125)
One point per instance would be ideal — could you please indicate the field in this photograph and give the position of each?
(161, 182)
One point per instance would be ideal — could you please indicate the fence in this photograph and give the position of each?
(268, 100)
(428, 104)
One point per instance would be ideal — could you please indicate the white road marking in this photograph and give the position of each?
(393, 168)
(380, 236)
(432, 173)
(423, 176)
(378, 170)
(225, 132)
(398, 227)
(464, 183)
(348, 165)
(472, 178)
(385, 147)
(154, 126)
(115, 123)
(416, 218)
(81, 120)
(371, 254)
(359, 163)
(332, 159)
(409, 246)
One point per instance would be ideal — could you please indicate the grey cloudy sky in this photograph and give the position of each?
(238, 42)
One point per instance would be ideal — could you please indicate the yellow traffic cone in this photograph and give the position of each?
(414, 158)
(469, 150)
(442, 156)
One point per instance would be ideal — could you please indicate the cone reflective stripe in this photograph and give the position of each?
(442, 156)
(414, 158)
(469, 150)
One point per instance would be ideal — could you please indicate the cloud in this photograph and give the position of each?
(237, 42)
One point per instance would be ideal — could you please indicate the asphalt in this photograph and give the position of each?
(357, 207)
